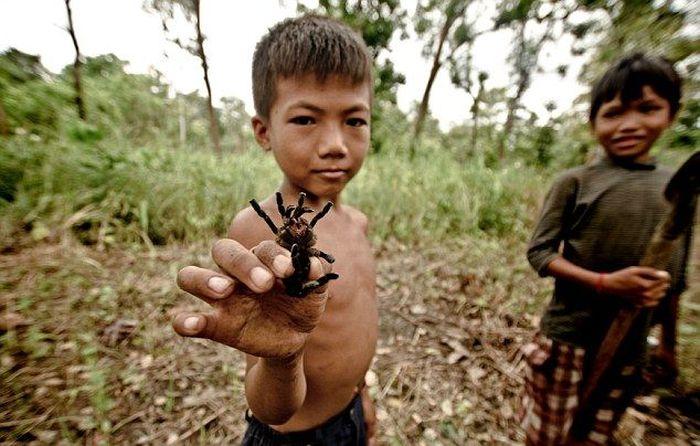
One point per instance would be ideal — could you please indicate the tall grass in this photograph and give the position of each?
(107, 194)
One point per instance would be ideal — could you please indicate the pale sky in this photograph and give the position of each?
(233, 27)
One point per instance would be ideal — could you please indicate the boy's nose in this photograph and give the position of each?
(629, 122)
(332, 144)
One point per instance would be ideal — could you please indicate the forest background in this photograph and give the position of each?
(110, 181)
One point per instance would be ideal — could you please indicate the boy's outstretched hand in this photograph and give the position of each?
(640, 285)
(252, 313)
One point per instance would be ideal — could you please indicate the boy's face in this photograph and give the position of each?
(628, 132)
(318, 132)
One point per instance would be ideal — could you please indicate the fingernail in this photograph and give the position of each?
(191, 323)
(260, 277)
(281, 264)
(218, 284)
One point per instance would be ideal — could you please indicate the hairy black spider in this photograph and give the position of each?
(296, 235)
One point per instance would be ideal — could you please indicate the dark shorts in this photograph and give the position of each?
(346, 428)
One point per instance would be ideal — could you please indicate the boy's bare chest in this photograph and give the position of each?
(347, 331)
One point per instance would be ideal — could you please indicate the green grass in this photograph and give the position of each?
(107, 194)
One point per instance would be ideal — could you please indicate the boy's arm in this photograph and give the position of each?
(275, 388)
(252, 313)
(551, 226)
(641, 286)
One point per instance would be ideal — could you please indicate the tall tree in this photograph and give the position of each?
(444, 25)
(79, 101)
(533, 23)
(462, 75)
(236, 122)
(662, 28)
(476, 106)
(191, 10)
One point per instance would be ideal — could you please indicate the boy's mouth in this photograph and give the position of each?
(332, 173)
(627, 141)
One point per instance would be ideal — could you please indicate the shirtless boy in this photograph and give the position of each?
(306, 357)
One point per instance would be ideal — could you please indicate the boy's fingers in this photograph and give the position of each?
(659, 291)
(195, 325)
(275, 257)
(319, 267)
(204, 283)
(242, 264)
(643, 284)
(652, 273)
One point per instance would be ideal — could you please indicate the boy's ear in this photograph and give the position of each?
(261, 130)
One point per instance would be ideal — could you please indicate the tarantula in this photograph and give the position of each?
(297, 236)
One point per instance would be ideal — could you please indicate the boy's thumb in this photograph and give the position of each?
(653, 273)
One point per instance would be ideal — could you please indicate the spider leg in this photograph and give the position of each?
(264, 216)
(280, 204)
(321, 214)
(310, 286)
(300, 205)
(318, 253)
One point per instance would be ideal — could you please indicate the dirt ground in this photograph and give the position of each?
(92, 358)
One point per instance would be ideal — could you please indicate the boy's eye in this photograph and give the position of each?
(648, 108)
(611, 113)
(356, 122)
(302, 120)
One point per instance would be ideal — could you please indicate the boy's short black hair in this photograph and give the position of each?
(309, 44)
(630, 74)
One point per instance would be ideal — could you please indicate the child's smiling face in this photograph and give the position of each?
(628, 131)
(318, 132)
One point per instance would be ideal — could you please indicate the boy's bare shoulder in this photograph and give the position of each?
(358, 218)
(248, 229)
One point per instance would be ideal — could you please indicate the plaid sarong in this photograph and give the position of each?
(550, 399)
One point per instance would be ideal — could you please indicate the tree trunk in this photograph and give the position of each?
(524, 71)
(213, 123)
(182, 122)
(79, 102)
(475, 114)
(513, 102)
(4, 124)
(437, 63)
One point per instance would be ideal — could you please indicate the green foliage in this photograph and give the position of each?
(115, 194)
(109, 195)
(443, 198)
(377, 22)
(131, 108)
(661, 28)
(686, 134)
(514, 11)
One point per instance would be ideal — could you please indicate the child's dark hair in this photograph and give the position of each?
(630, 74)
(308, 44)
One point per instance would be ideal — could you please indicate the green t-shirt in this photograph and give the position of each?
(601, 217)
